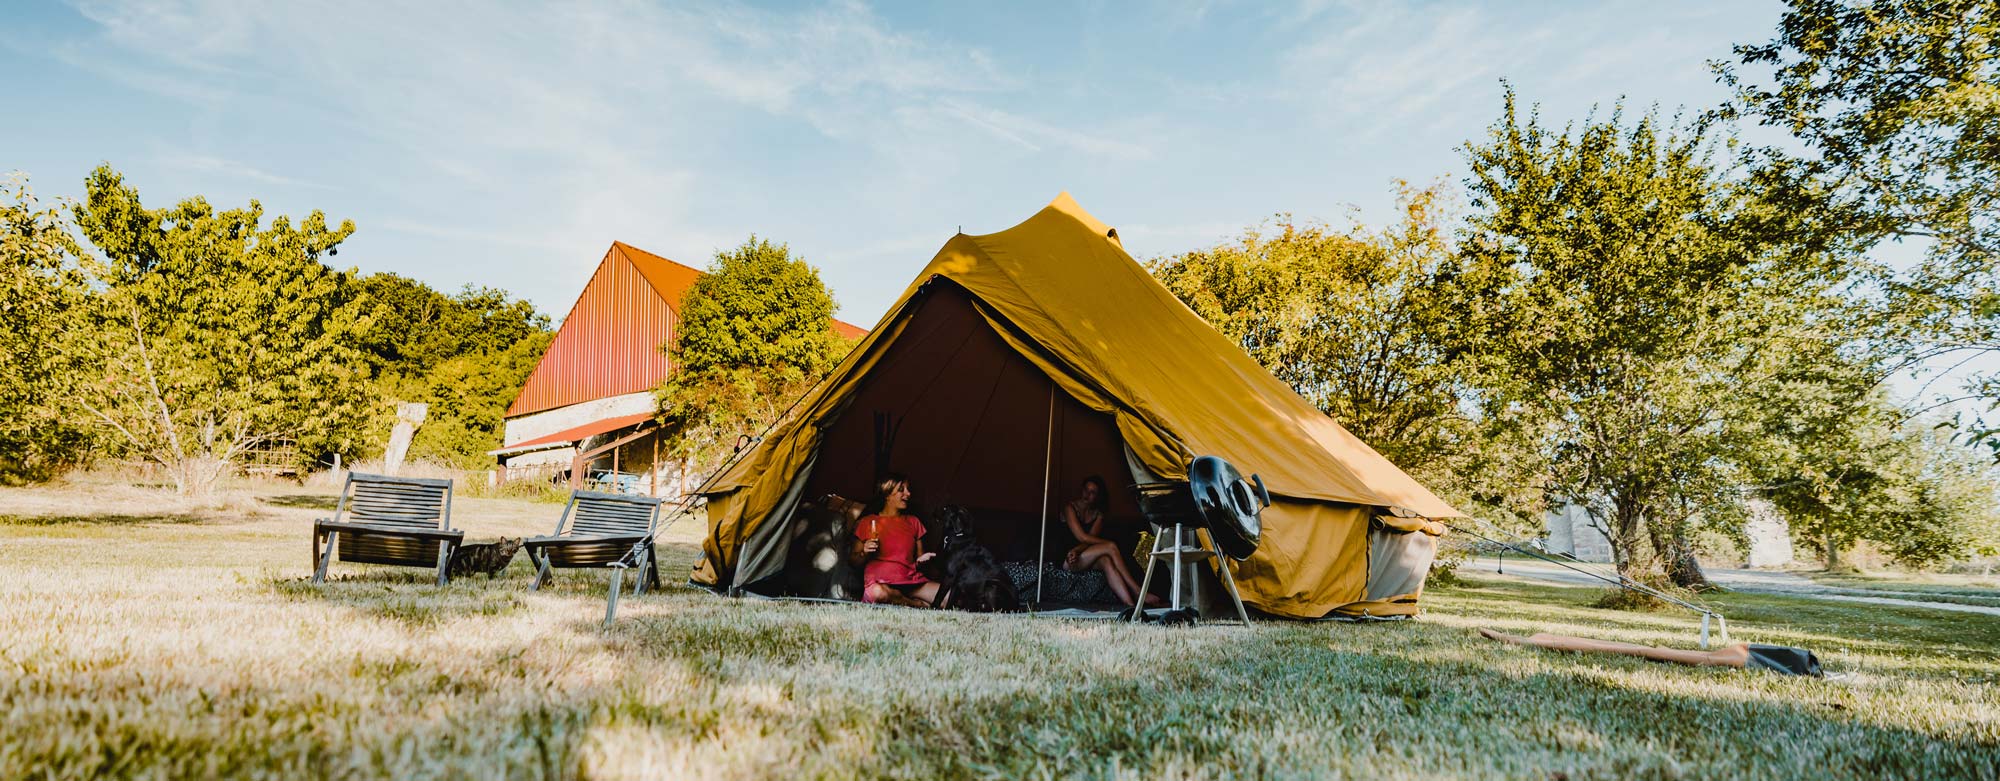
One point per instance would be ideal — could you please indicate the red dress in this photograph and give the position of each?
(896, 563)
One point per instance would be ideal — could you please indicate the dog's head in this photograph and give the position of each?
(954, 528)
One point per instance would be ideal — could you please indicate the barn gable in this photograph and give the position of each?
(609, 344)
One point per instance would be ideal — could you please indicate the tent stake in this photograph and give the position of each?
(1048, 457)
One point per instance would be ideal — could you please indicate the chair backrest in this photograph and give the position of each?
(596, 513)
(409, 502)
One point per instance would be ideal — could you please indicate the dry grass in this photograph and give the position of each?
(186, 643)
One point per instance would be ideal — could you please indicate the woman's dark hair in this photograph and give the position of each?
(883, 487)
(1103, 503)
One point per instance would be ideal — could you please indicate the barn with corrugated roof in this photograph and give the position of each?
(586, 411)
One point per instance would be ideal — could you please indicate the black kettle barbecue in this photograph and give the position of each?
(1216, 497)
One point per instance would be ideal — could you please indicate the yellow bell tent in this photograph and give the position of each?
(1022, 361)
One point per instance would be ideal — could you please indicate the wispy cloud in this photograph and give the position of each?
(509, 141)
(582, 122)
(232, 169)
(1391, 65)
(1032, 135)
(485, 237)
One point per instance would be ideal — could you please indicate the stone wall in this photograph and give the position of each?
(1770, 536)
(1571, 532)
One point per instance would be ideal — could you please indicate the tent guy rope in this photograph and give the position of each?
(1722, 624)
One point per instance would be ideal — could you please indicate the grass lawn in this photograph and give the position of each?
(1933, 587)
(144, 637)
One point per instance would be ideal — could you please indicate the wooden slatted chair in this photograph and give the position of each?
(404, 521)
(599, 529)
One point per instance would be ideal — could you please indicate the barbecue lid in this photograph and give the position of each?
(1229, 504)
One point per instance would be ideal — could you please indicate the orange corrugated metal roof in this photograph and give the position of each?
(609, 344)
(849, 331)
(670, 279)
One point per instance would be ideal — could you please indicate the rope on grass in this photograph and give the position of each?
(1621, 581)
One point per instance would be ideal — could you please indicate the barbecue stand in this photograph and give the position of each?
(1215, 498)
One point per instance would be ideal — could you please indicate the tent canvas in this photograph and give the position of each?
(1018, 362)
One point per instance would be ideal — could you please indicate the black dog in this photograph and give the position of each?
(972, 578)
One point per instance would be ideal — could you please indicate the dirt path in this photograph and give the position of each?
(1752, 581)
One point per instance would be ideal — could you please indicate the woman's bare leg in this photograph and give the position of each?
(1104, 557)
(926, 594)
(1118, 573)
(1105, 551)
(1125, 571)
(884, 594)
(1118, 587)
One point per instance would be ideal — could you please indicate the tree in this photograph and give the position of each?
(755, 332)
(1612, 306)
(468, 397)
(1897, 136)
(464, 355)
(417, 329)
(1842, 469)
(41, 291)
(213, 334)
(1361, 324)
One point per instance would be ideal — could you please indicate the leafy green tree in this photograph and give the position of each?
(1612, 306)
(215, 333)
(755, 332)
(1842, 469)
(41, 291)
(1362, 324)
(468, 397)
(417, 329)
(463, 354)
(1895, 136)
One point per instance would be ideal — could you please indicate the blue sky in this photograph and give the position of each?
(508, 145)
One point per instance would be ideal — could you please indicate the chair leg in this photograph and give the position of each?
(653, 566)
(326, 557)
(611, 605)
(444, 562)
(541, 560)
(645, 566)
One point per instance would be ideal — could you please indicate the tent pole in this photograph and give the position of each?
(1048, 458)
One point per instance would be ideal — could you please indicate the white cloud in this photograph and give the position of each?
(1389, 66)
(572, 124)
(232, 169)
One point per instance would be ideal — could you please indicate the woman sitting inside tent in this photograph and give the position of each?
(890, 545)
(1083, 517)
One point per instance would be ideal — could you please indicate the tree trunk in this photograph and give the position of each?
(1628, 524)
(196, 475)
(1682, 564)
(1831, 555)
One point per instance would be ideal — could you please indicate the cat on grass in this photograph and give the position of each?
(486, 558)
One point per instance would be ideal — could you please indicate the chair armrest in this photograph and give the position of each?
(369, 528)
(581, 539)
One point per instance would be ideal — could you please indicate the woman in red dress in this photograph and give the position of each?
(890, 545)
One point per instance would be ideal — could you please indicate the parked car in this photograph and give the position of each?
(615, 482)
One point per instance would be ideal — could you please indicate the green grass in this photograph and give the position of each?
(1959, 589)
(100, 519)
(199, 650)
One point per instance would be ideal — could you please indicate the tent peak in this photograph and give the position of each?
(1066, 205)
